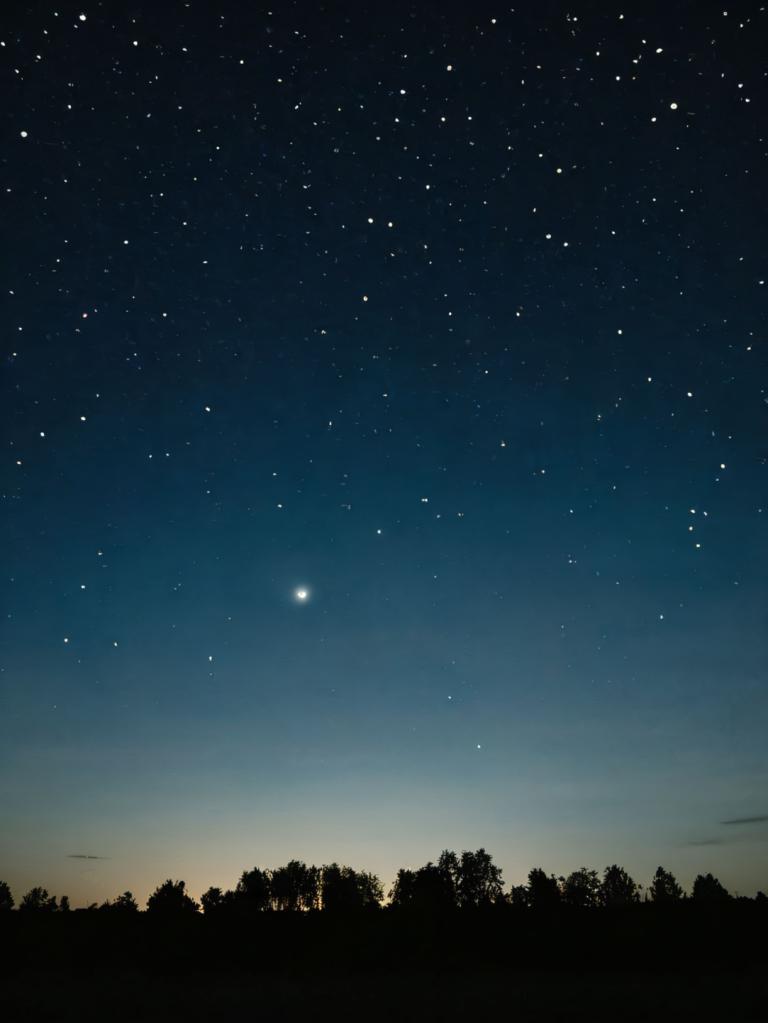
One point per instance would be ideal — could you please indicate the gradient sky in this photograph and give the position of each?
(456, 320)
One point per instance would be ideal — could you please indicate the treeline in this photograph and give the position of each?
(470, 880)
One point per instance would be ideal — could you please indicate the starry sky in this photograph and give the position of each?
(384, 415)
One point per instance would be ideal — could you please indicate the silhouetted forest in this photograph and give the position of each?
(447, 941)
(455, 882)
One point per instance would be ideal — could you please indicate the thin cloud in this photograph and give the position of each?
(706, 841)
(747, 820)
(85, 856)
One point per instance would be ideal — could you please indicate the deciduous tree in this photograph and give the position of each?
(37, 900)
(707, 888)
(295, 886)
(582, 888)
(617, 887)
(664, 887)
(344, 889)
(543, 890)
(171, 899)
(6, 898)
(479, 880)
(253, 893)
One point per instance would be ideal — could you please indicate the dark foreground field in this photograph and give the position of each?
(404, 995)
(631, 966)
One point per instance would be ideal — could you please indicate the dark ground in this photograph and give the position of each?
(403, 996)
(625, 966)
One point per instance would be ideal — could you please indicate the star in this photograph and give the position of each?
(301, 595)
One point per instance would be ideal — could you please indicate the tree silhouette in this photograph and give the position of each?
(464, 882)
(429, 889)
(344, 889)
(253, 893)
(707, 888)
(37, 900)
(338, 890)
(124, 903)
(543, 890)
(617, 888)
(171, 899)
(450, 870)
(370, 890)
(6, 898)
(403, 891)
(479, 880)
(519, 896)
(215, 900)
(295, 886)
(664, 887)
(581, 888)
(470, 880)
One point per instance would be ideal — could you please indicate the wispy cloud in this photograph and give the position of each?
(705, 841)
(85, 856)
(748, 820)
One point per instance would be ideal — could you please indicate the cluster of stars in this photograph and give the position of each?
(276, 263)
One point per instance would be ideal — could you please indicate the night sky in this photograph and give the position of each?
(384, 418)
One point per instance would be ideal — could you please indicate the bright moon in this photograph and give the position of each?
(301, 594)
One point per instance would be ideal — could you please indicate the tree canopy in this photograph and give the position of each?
(171, 898)
(467, 881)
(707, 888)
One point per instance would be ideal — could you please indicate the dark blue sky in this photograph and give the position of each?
(455, 320)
